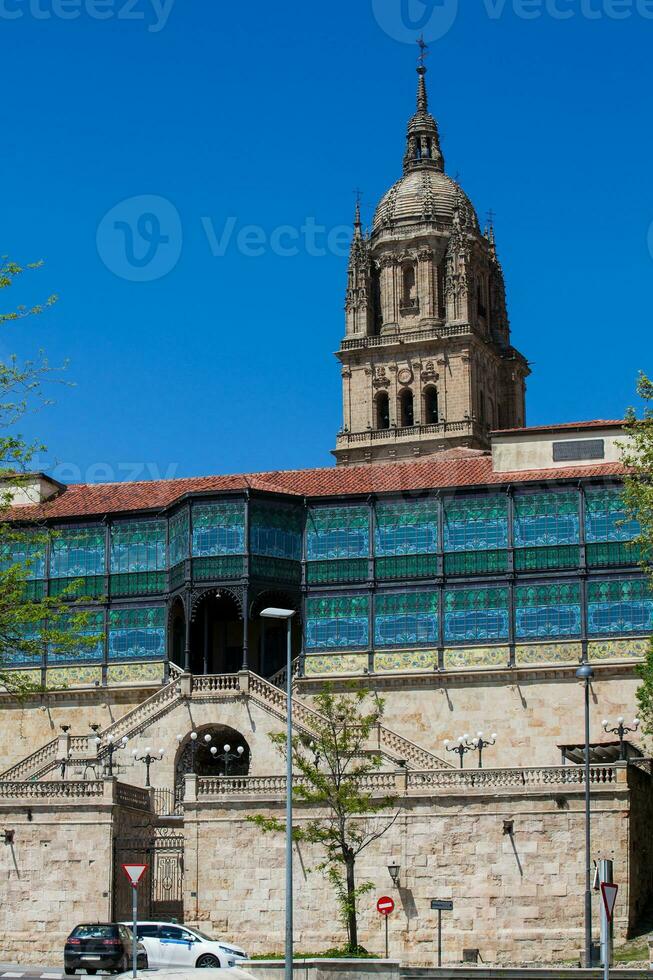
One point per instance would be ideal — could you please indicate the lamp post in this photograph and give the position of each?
(461, 747)
(585, 673)
(479, 743)
(111, 747)
(148, 760)
(63, 763)
(227, 755)
(287, 614)
(621, 731)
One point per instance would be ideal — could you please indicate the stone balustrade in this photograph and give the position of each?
(52, 791)
(432, 782)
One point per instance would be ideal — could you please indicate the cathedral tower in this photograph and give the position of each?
(426, 359)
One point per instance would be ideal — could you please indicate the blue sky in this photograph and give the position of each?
(270, 115)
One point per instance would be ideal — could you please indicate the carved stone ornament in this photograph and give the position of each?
(429, 373)
(405, 376)
(381, 380)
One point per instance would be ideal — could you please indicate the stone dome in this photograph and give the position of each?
(420, 195)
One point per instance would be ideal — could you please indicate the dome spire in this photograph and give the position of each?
(423, 144)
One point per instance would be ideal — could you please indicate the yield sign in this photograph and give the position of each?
(134, 872)
(609, 893)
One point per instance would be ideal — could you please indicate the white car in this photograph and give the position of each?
(169, 945)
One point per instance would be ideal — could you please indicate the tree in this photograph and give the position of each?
(638, 495)
(332, 768)
(29, 621)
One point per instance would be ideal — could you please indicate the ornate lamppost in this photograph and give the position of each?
(111, 747)
(621, 731)
(461, 747)
(227, 756)
(148, 760)
(479, 743)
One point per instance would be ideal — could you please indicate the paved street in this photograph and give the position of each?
(13, 971)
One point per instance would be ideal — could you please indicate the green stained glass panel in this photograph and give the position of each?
(476, 614)
(322, 572)
(138, 546)
(540, 559)
(340, 622)
(137, 633)
(219, 529)
(406, 567)
(77, 552)
(179, 533)
(406, 528)
(25, 548)
(91, 651)
(548, 518)
(475, 563)
(406, 618)
(276, 531)
(606, 518)
(619, 606)
(337, 532)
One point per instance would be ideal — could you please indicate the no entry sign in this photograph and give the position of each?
(385, 905)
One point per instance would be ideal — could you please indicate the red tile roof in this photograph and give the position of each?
(593, 424)
(450, 469)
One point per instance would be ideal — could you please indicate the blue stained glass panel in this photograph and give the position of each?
(619, 606)
(406, 528)
(548, 518)
(341, 623)
(218, 529)
(90, 652)
(476, 523)
(77, 552)
(276, 532)
(137, 633)
(26, 548)
(476, 614)
(179, 534)
(542, 621)
(138, 546)
(403, 619)
(337, 532)
(606, 518)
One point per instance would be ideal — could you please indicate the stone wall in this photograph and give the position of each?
(59, 869)
(532, 711)
(518, 898)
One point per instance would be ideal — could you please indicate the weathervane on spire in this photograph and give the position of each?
(423, 51)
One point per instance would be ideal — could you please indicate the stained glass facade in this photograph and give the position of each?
(179, 536)
(476, 534)
(547, 610)
(137, 634)
(90, 651)
(609, 529)
(476, 614)
(406, 618)
(337, 532)
(276, 531)
(27, 548)
(77, 552)
(337, 623)
(138, 546)
(219, 529)
(547, 519)
(619, 606)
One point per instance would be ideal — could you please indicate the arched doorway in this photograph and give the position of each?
(216, 634)
(211, 750)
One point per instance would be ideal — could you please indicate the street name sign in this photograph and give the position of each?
(385, 905)
(442, 904)
(134, 872)
(609, 893)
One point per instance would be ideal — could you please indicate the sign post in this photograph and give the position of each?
(134, 872)
(442, 905)
(609, 897)
(385, 907)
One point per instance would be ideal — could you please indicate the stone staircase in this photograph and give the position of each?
(397, 750)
